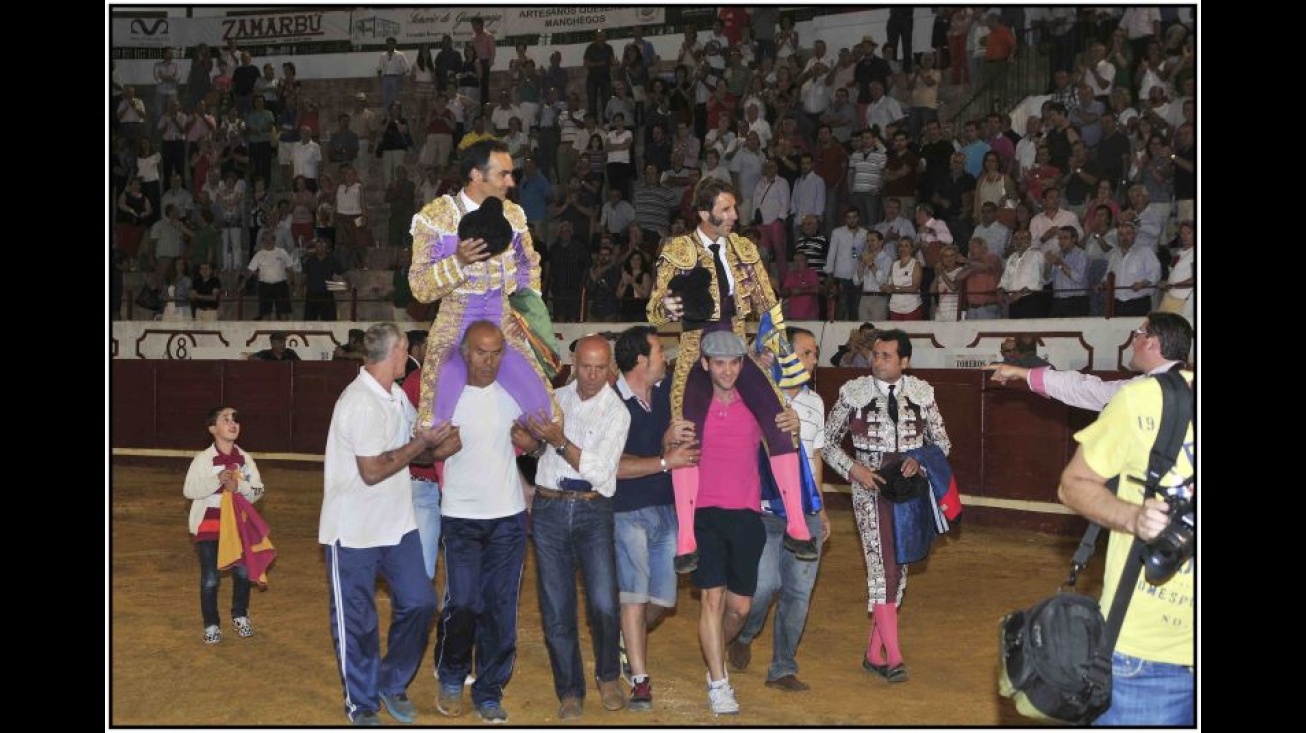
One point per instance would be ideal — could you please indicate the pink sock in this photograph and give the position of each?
(875, 646)
(685, 482)
(886, 620)
(785, 469)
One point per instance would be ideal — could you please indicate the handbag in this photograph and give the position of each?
(1054, 658)
(757, 208)
(147, 298)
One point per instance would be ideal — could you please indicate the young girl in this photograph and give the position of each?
(222, 467)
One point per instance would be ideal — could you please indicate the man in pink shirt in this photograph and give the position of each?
(727, 520)
(483, 40)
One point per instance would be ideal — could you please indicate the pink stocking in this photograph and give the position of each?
(685, 482)
(787, 478)
(875, 646)
(886, 621)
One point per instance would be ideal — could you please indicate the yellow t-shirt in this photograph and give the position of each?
(1159, 624)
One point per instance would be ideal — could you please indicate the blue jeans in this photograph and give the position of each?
(426, 505)
(391, 88)
(1149, 693)
(568, 534)
(984, 312)
(211, 578)
(780, 572)
(646, 553)
(483, 560)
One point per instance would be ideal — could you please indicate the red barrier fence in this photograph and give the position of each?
(1008, 444)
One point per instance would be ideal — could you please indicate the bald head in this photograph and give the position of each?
(593, 365)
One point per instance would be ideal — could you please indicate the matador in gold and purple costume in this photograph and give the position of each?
(691, 387)
(468, 293)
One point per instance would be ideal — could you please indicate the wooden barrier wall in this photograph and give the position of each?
(1008, 444)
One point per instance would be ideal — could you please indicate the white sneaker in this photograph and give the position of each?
(243, 628)
(721, 699)
(212, 634)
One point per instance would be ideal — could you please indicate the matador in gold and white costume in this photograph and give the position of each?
(745, 291)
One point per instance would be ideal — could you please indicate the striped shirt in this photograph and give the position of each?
(867, 170)
(653, 206)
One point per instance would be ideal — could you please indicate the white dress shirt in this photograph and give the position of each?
(1023, 270)
(598, 426)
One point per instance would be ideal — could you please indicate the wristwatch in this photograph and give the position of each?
(562, 449)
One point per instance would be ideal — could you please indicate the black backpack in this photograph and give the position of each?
(1055, 656)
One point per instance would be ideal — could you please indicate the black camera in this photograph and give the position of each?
(1172, 548)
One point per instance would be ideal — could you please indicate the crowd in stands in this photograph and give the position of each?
(867, 202)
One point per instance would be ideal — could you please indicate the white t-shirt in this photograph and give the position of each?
(1182, 270)
(619, 137)
(481, 480)
(305, 157)
(368, 420)
(271, 266)
(901, 276)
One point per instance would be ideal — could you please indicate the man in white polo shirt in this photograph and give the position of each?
(367, 528)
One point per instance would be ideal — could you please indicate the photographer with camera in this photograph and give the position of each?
(856, 351)
(1152, 664)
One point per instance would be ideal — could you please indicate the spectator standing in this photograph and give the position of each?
(1021, 286)
(484, 43)
(272, 265)
(392, 68)
(841, 261)
(319, 301)
(1136, 270)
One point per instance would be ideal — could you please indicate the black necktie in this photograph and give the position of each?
(721, 278)
(893, 404)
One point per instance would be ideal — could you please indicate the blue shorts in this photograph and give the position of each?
(646, 551)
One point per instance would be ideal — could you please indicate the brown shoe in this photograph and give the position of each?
(611, 694)
(570, 709)
(788, 683)
(739, 654)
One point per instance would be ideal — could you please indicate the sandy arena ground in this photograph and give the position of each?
(162, 674)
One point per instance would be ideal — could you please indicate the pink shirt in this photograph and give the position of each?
(727, 473)
(484, 44)
(803, 306)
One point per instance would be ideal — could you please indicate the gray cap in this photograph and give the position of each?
(723, 344)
